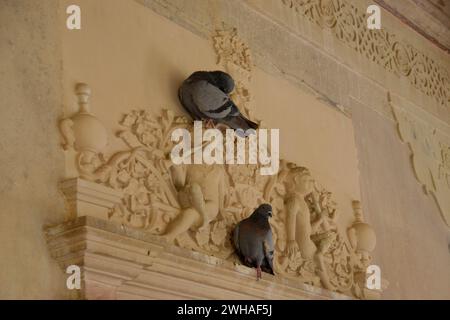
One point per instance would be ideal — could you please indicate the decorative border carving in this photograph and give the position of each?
(383, 47)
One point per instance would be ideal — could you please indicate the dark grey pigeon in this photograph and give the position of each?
(253, 241)
(205, 96)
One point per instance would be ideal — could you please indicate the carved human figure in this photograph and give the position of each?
(323, 228)
(298, 225)
(201, 193)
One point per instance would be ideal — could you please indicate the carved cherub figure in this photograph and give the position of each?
(298, 225)
(201, 193)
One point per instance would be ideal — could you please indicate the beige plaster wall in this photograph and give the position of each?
(31, 161)
(412, 239)
(134, 58)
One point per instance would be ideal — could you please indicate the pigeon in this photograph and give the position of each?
(205, 96)
(252, 238)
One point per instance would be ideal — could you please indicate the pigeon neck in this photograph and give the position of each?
(260, 220)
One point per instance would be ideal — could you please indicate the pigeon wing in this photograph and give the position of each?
(185, 98)
(236, 238)
(247, 241)
(210, 100)
(236, 120)
(268, 250)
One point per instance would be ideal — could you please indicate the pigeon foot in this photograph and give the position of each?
(258, 273)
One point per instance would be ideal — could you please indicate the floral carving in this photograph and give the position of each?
(235, 56)
(154, 194)
(152, 201)
(231, 49)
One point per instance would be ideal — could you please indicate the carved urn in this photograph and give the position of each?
(361, 234)
(88, 131)
(84, 133)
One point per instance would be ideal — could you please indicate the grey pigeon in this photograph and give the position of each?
(252, 238)
(205, 96)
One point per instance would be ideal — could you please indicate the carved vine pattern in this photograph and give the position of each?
(150, 202)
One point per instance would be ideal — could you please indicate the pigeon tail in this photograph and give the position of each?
(239, 123)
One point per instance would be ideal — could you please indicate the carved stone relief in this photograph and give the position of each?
(349, 25)
(430, 155)
(196, 207)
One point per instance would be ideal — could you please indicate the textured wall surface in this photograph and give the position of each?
(134, 56)
(412, 240)
(31, 161)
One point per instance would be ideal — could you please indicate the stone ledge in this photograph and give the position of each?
(89, 198)
(125, 263)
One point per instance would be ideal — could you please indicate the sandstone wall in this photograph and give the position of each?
(329, 101)
(31, 160)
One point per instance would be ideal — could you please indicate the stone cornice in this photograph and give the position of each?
(119, 262)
